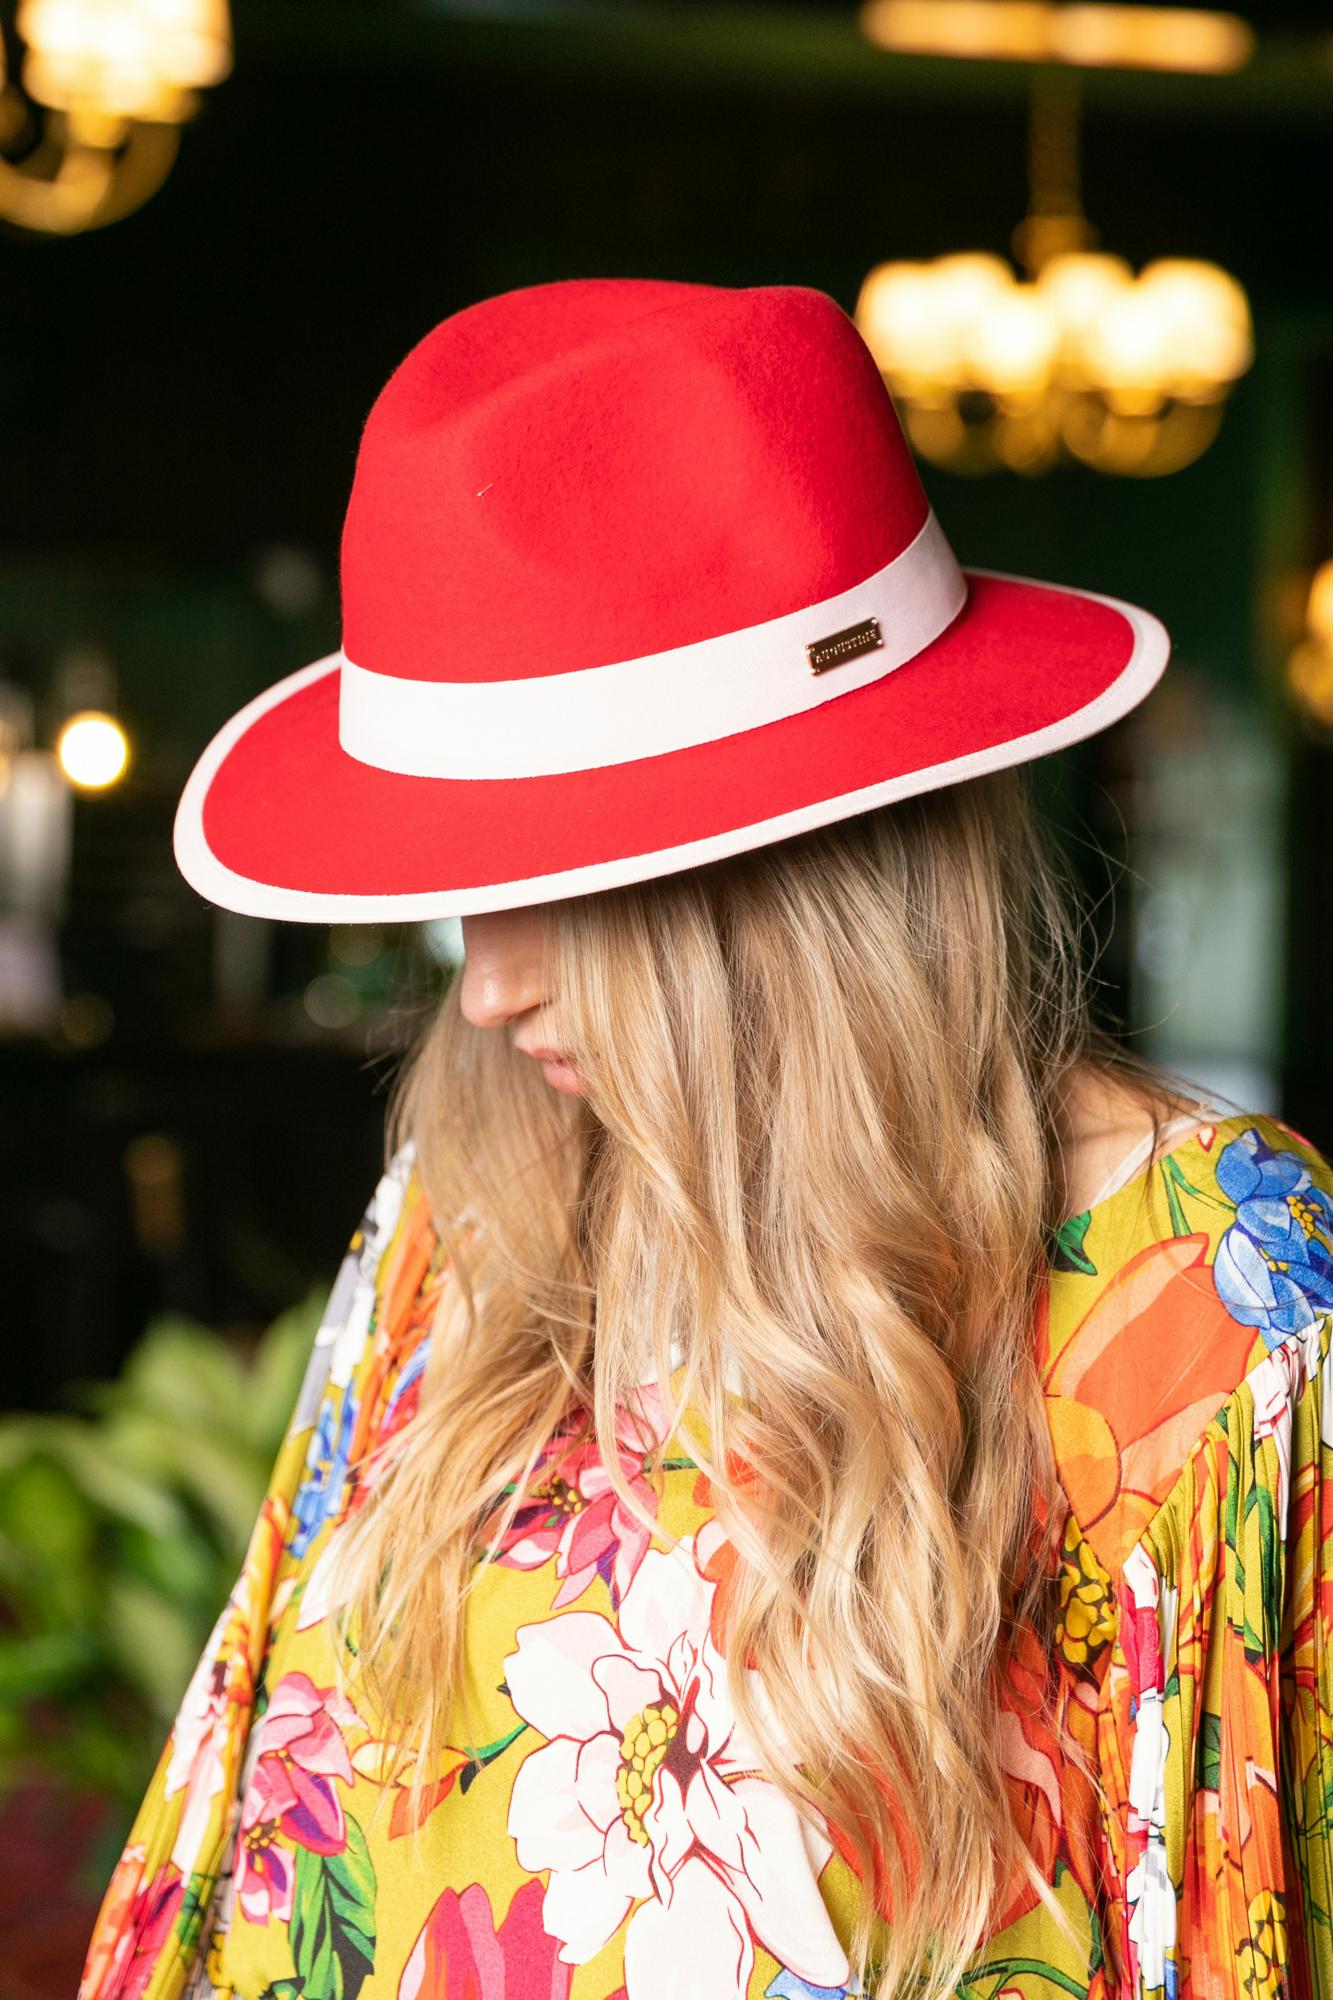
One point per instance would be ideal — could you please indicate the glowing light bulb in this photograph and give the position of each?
(967, 286)
(1205, 322)
(1128, 350)
(1081, 287)
(970, 279)
(193, 39)
(1014, 344)
(93, 750)
(905, 320)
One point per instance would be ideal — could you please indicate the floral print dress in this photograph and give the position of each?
(604, 1834)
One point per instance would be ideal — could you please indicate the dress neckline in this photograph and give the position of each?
(1143, 1157)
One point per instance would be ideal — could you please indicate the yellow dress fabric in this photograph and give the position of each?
(604, 1834)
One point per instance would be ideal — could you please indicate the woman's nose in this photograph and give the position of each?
(502, 966)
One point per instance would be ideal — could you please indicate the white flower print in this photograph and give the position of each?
(645, 1798)
(1151, 1899)
(196, 1764)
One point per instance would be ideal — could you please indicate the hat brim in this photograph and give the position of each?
(278, 820)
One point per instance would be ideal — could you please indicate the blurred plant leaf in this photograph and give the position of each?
(39, 1664)
(185, 1373)
(87, 1454)
(279, 1365)
(122, 1528)
(43, 1514)
(152, 1641)
(182, 1567)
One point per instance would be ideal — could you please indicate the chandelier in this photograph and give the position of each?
(1076, 359)
(106, 86)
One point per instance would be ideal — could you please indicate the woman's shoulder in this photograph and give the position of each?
(1168, 1297)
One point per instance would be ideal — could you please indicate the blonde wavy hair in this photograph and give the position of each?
(819, 1143)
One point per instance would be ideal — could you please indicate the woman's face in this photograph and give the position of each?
(502, 987)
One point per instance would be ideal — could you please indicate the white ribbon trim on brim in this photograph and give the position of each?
(645, 707)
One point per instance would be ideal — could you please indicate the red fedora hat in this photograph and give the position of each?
(635, 575)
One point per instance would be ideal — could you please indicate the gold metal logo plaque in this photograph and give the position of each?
(845, 645)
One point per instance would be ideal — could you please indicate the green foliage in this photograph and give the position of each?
(123, 1524)
(1208, 1752)
(333, 1918)
(1067, 1252)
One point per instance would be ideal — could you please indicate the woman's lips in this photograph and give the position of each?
(559, 1072)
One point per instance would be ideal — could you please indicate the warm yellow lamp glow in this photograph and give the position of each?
(1171, 38)
(1310, 663)
(1013, 345)
(103, 60)
(1319, 611)
(901, 309)
(93, 750)
(1084, 360)
(1203, 323)
(1012, 30)
(1127, 353)
(119, 78)
(1079, 287)
(1185, 39)
(1077, 358)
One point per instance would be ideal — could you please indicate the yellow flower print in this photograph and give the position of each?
(1087, 1608)
(1263, 1955)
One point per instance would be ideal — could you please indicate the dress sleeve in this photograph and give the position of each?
(148, 1930)
(1216, 1724)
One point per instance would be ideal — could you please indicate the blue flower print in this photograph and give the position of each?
(788, 1986)
(412, 1372)
(325, 1467)
(1274, 1267)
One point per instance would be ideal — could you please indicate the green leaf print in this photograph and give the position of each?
(1179, 1226)
(282, 1989)
(1260, 1516)
(1208, 1753)
(486, 1755)
(1067, 1252)
(194, 1905)
(999, 1972)
(1176, 1184)
(1038, 1978)
(1316, 1815)
(333, 1919)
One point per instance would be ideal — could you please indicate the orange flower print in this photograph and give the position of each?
(1131, 1389)
(1053, 1804)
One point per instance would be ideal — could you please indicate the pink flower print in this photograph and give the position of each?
(459, 1952)
(645, 1799)
(156, 1910)
(142, 1914)
(576, 1517)
(265, 1886)
(291, 1792)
